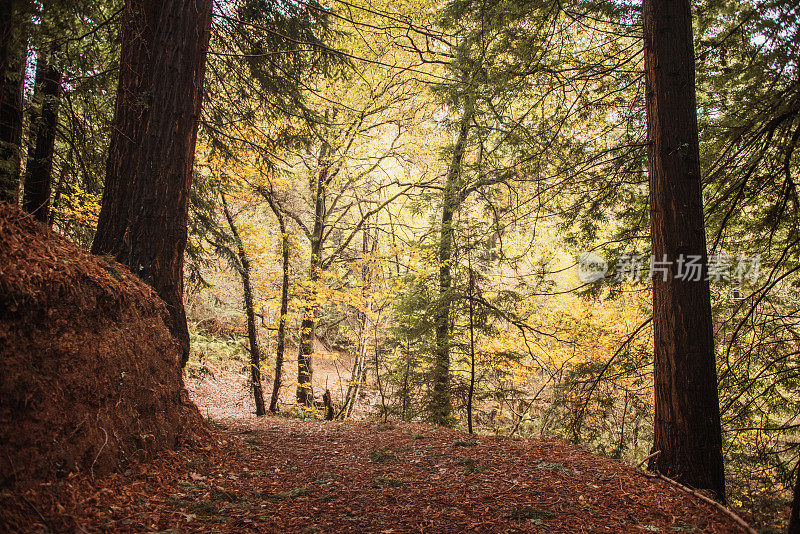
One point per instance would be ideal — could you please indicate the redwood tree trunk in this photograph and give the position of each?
(12, 78)
(145, 203)
(794, 514)
(44, 122)
(687, 420)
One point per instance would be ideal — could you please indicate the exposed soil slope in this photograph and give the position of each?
(282, 475)
(90, 373)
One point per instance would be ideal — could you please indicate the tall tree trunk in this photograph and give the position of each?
(44, 123)
(687, 420)
(794, 515)
(250, 312)
(143, 219)
(471, 392)
(308, 325)
(279, 352)
(13, 53)
(441, 405)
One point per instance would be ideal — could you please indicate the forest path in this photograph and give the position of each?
(274, 474)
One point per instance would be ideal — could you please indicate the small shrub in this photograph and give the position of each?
(203, 507)
(471, 466)
(389, 482)
(299, 491)
(381, 457)
(521, 513)
(188, 486)
(176, 502)
(326, 478)
(226, 496)
(551, 466)
(682, 526)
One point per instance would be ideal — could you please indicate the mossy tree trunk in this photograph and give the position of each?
(250, 312)
(284, 308)
(441, 404)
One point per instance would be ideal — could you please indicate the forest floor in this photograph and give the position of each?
(275, 474)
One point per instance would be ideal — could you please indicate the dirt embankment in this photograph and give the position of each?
(90, 373)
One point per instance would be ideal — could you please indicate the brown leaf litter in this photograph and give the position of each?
(274, 474)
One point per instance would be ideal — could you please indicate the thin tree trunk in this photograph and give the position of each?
(44, 122)
(471, 391)
(356, 380)
(384, 411)
(250, 312)
(143, 219)
(12, 79)
(441, 404)
(406, 378)
(354, 384)
(58, 189)
(284, 309)
(687, 420)
(618, 454)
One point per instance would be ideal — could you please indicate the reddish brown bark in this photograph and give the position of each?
(145, 203)
(687, 421)
(44, 122)
(794, 514)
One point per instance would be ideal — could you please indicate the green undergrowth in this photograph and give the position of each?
(209, 350)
